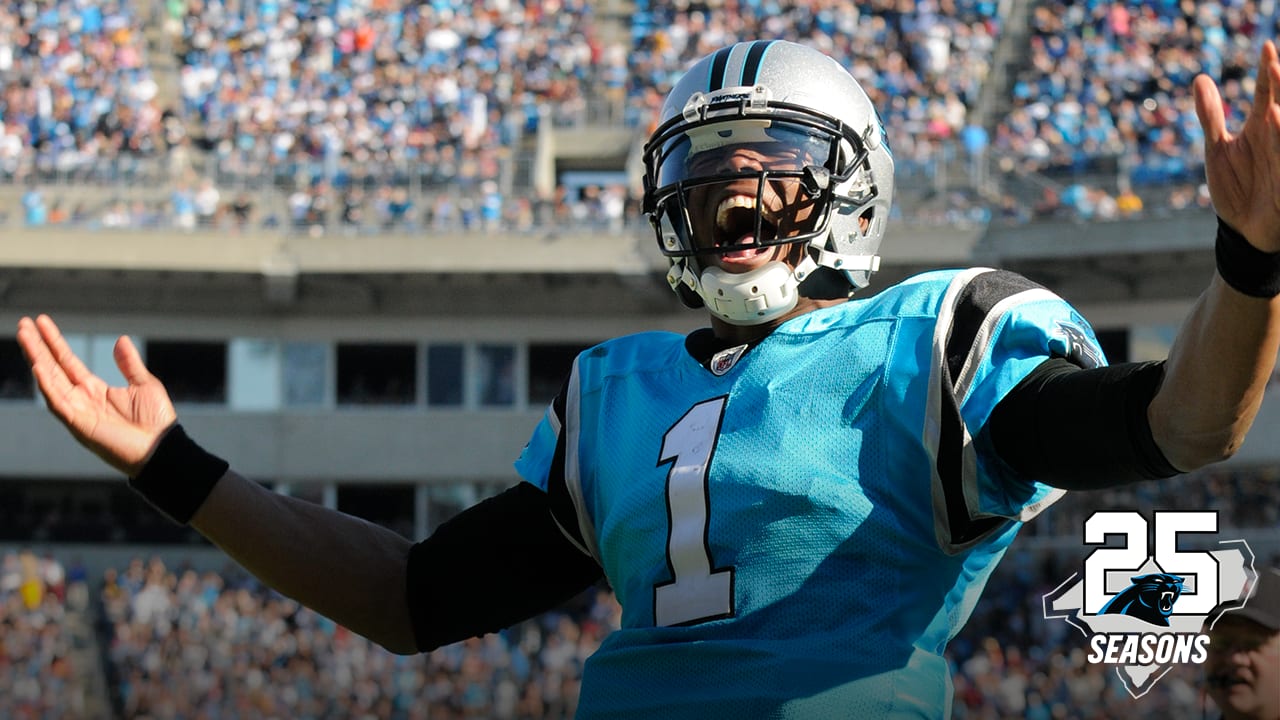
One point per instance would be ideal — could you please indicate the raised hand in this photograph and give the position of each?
(121, 425)
(1243, 169)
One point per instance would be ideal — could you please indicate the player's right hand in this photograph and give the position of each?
(121, 425)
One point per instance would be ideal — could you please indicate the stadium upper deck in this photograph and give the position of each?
(376, 115)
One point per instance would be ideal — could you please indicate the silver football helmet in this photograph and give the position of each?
(765, 144)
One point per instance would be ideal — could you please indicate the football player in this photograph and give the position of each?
(798, 506)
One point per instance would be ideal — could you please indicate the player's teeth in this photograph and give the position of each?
(729, 203)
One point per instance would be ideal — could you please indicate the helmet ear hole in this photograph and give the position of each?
(866, 221)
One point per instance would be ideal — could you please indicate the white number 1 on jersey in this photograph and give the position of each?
(696, 592)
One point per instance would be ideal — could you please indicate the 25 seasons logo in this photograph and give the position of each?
(1142, 603)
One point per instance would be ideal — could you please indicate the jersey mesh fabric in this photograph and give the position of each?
(803, 565)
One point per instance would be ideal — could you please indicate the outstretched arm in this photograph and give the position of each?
(1226, 349)
(496, 563)
(348, 569)
(343, 567)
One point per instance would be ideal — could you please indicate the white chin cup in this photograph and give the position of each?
(752, 297)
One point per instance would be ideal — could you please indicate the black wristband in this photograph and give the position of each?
(179, 476)
(1244, 267)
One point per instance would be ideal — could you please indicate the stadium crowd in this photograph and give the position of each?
(188, 644)
(178, 642)
(1106, 91)
(38, 669)
(922, 63)
(340, 106)
(378, 115)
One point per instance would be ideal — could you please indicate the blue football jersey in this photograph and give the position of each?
(797, 530)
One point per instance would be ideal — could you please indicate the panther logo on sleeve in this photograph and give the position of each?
(1150, 598)
(1080, 348)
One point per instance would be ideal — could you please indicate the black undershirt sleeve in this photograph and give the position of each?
(497, 563)
(1079, 429)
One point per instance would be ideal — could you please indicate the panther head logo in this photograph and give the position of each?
(1149, 598)
(1079, 348)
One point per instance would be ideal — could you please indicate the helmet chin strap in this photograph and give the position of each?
(763, 294)
(749, 298)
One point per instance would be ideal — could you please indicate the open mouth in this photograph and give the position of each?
(1166, 602)
(735, 226)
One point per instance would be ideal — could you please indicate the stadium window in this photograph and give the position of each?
(57, 511)
(306, 371)
(549, 365)
(376, 374)
(495, 376)
(15, 374)
(17, 523)
(193, 371)
(98, 353)
(1115, 344)
(390, 506)
(444, 375)
(1151, 342)
(254, 375)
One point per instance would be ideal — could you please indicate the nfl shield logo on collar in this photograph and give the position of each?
(723, 361)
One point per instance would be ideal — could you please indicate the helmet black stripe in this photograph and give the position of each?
(754, 57)
(718, 64)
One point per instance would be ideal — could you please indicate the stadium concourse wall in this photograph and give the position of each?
(573, 287)
(1136, 278)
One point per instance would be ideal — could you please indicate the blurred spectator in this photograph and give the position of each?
(57, 213)
(241, 211)
(1129, 204)
(206, 202)
(1050, 205)
(352, 210)
(395, 208)
(116, 216)
(34, 211)
(183, 206)
(1243, 669)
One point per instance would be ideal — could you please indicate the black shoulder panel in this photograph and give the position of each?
(973, 306)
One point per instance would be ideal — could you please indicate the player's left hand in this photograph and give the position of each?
(1243, 169)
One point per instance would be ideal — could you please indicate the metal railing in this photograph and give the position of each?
(403, 194)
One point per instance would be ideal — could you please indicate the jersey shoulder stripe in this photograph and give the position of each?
(972, 312)
(970, 318)
(563, 508)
